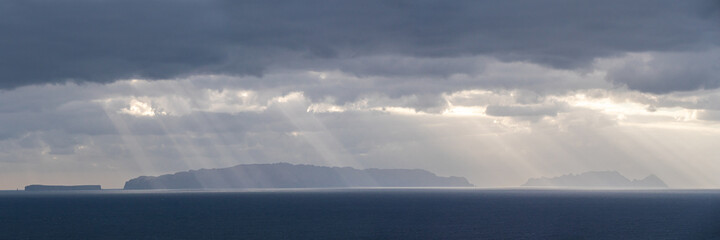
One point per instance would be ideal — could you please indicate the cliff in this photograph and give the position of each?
(61, 188)
(598, 179)
(285, 175)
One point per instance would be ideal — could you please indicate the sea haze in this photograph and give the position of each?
(398, 213)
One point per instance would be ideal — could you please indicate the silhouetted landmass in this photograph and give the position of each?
(61, 188)
(285, 175)
(599, 179)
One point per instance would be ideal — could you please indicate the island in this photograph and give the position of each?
(37, 187)
(285, 175)
(596, 179)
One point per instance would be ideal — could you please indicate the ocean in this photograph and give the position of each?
(362, 214)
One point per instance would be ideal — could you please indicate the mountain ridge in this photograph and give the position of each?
(596, 179)
(286, 175)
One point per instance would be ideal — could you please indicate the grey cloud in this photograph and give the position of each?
(709, 115)
(88, 122)
(669, 72)
(524, 110)
(701, 99)
(395, 65)
(101, 41)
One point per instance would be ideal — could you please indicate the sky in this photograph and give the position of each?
(98, 92)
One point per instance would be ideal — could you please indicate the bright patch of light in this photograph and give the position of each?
(398, 110)
(289, 97)
(626, 109)
(689, 115)
(138, 108)
(606, 105)
(233, 101)
(464, 111)
(330, 108)
(324, 107)
(320, 75)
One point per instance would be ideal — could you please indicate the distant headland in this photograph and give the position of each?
(596, 179)
(37, 187)
(285, 175)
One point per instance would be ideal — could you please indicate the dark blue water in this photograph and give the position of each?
(362, 214)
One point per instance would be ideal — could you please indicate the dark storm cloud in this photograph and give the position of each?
(101, 41)
(669, 72)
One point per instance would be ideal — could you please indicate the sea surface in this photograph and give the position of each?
(362, 214)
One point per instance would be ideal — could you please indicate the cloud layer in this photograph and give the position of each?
(497, 91)
(103, 41)
(495, 138)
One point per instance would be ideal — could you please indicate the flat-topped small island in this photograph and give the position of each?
(37, 187)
